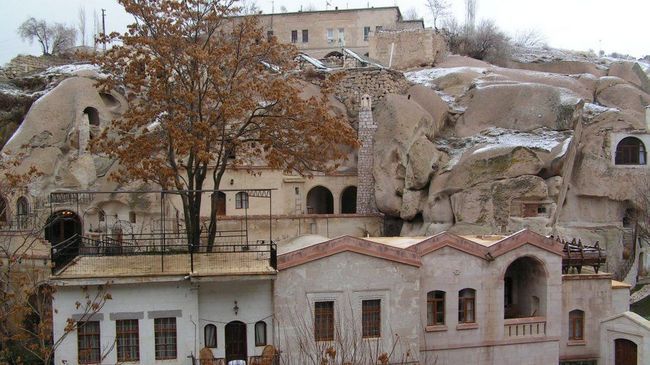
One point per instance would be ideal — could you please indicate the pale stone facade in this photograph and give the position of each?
(521, 307)
(319, 33)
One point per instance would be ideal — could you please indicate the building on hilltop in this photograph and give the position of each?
(323, 33)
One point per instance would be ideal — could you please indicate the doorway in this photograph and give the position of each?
(236, 341)
(61, 227)
(625, 352)
(221, 203)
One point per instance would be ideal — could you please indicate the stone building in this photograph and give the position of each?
(319, 33)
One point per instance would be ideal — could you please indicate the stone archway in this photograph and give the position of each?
(320, 201)
(524, 289)
(349, 200)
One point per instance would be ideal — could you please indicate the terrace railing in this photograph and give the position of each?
(168, 246)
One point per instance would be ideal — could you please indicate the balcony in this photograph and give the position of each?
(529, 327)
(157, 254)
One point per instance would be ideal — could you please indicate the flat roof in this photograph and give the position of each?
(205, 264)
(333, 11)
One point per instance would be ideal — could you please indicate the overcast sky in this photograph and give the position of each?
(613, 26)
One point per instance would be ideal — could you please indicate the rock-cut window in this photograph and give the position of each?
(630, 151)
(93, 116)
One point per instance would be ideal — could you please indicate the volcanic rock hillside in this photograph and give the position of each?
(475, 148)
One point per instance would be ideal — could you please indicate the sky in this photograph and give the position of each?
(612, 26)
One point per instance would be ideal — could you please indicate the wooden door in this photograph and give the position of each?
(624, 352)
(236, 341)
(221, 203)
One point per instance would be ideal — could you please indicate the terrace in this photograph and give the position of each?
(151, 247)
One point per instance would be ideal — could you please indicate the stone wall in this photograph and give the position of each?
(351, 84)
(409, 48)
(366, 186)
(24, 64)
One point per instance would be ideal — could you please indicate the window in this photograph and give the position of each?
(371, 318)
(305, 35)
(366, 33)
(241, 200)
(576, 325)
(269, 34)
(132, 217)
(210, 335)
(88, 346)
(324, 321)
(466, 306)
(436, 308)
(3, 210)
(330, 35)
(127, 339)
(630, 151)
(378, 28)
(165, 338)
(92, 115)
(102, 216)
(260, 333)
(294, 36)
(341, 36)
(22, 212)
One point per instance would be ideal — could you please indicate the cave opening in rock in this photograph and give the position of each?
(93, 116)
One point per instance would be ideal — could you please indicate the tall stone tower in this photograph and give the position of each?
(366, 185)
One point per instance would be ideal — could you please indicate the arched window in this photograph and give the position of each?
(349, 200)
(524, 288)
(467, 306)
(260, 333)
(576, 325)
(210, 335)
(22, 212)
(320, 201)
(436, 308)
(241, 200)
(630, 151)
(3, 210)
(93, 116)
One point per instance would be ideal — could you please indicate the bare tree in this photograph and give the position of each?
(82, 24)
(439, 10)
(54, 39)
(248, 7)
(529, 38)
(411, 14)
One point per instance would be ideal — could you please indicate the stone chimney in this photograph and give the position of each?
(366, 180)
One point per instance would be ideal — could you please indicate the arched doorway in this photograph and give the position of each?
(60, 228)
(625, 352)
(236, 341)
(320, 201)
(349, 200)
(524, 289)
(92, 115)
(221, 203)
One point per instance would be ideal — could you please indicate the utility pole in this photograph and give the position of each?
(104, 27)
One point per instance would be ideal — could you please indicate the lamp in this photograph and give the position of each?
(236, 308)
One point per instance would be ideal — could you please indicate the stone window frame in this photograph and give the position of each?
(615, 138)
(371, 318)
(165, 328)
(260, 333)
(132, 334)
(378, 294)
(576, 325)
(466, 299)
(432, 300)
(312, 298)
(89, 342)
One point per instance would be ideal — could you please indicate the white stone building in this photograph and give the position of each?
(445, 299)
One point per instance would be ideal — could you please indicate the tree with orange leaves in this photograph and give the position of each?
(205, 85)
